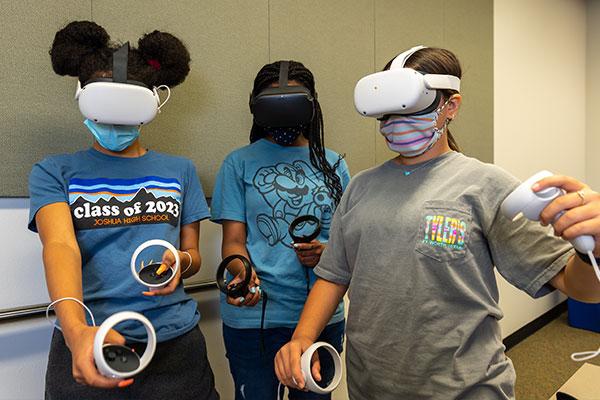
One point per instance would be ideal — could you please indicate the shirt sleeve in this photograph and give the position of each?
(193, 207)
(46, 186)
(333, 265)
(228, 201)
(525, 253)
(344, 173)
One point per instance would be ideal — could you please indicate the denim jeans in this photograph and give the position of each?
(252, 366)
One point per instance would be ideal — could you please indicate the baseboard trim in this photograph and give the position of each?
(518, 336)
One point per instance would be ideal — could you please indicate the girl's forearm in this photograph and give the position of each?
(322, 302)
(62, 265)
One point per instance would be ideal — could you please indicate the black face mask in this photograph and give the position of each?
(285, 136)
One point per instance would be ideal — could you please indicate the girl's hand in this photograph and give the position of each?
(254, 291)
(81, 343)
(309, 254)
(287, 364)
(169, 260)
(581, 206)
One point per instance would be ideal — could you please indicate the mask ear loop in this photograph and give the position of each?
(157, 95)
(447, 121)
(51, 305)
(438, 132)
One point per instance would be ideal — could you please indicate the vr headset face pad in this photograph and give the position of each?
(285, 106)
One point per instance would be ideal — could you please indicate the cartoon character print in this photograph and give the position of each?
(291, 191)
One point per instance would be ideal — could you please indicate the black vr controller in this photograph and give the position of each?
(283, 106)
(302, 220)
(239, 289)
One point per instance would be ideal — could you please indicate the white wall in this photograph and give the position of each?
(539, 107)
(593, 94)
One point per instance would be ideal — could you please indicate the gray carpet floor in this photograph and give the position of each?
(543, 362)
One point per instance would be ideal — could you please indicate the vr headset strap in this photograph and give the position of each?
(284, 67)
(120, 63)
(400, 59)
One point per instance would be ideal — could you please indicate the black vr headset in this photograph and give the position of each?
(283, 106)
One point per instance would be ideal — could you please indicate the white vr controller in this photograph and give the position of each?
(530, 204)
(147, 276)
(525, 201)
(116, 361)
(305, 364)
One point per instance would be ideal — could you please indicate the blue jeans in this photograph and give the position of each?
(253, 368)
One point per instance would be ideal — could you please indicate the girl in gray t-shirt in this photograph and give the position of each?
(415, 241)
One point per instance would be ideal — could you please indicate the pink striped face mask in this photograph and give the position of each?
(412, 135)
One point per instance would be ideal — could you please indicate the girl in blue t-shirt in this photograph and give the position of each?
(284, 173)
(94, 207)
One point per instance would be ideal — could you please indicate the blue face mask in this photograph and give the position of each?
(113, 137)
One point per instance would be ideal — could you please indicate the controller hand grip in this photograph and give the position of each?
(305, 363)
(104, 364)
(160, 283)
(525, 201)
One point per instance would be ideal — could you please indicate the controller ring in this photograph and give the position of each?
(240, 289)
(307, 238)
(144, 246)
(101, 363)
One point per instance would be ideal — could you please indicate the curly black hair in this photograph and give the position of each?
(83, 49)
(314, 132)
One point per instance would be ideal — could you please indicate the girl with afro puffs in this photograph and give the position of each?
(93, 208)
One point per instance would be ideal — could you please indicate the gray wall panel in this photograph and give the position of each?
(229, 41)
(336, 44)
(208, 114)
(38, 115)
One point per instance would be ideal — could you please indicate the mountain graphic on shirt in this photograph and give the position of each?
(123, 189)
(143, 196)
(105, 203)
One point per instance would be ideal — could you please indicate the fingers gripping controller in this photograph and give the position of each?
(147, 275)
(305, 363)
(525, 201)
(306, 367)
(238, 289)
(303, 220)
(114, 361)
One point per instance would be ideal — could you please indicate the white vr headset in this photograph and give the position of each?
(117, 100)
(401, 90)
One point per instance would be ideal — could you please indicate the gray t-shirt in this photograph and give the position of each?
(418, 252)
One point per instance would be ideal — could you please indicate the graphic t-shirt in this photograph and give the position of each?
(418, 253)
(116, 204)
(266, 186)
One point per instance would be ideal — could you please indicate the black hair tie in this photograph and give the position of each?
(307, 238)
(239, 289)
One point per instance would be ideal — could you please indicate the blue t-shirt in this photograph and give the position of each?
(116, 204)
(266, 186)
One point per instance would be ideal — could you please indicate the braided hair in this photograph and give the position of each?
(83, 49)
(314, 132)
